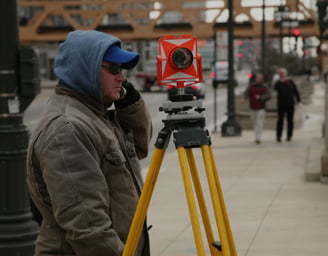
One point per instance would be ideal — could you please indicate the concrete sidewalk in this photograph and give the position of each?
(273, 210)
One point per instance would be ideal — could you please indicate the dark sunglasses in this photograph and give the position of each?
(113, 68)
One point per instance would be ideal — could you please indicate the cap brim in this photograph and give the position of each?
(118, 55)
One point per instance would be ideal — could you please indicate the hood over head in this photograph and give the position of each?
(79, 57)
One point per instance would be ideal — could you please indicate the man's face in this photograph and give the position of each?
(282, 74)
(111, 78)
(259, 78)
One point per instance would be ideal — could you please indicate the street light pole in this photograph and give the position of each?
(282, 14)
(263, 41)
(17, 229)
(281, 40)
(231, 127)
(214, 83)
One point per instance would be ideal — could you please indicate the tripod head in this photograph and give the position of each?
(182, 101)
(188, 127)
(181, 107)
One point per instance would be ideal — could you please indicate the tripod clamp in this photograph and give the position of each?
(188, 128)
(177, 107)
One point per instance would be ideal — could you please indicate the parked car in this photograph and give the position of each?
(148, 76)
(220, 73)
(198, 90)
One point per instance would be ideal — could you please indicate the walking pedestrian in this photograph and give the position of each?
(287, 97)
(83, 172)
(257, 94)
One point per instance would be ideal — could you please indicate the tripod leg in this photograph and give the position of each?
(191, 202)
(201, 202)
(143, 204)
(225, 214)
(224, 228)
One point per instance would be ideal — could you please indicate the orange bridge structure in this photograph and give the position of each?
(50, 21)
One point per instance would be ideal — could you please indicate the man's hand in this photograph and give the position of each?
(129, 95)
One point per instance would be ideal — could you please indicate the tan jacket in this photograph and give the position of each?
(83, 175)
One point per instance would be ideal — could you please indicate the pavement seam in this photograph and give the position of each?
(262, 220)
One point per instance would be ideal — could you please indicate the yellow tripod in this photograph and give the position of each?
(189, 132)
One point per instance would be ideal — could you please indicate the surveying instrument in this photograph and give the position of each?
(180, 63)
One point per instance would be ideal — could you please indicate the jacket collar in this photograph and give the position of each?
(93, 105)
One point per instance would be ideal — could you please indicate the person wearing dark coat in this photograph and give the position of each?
(287, 97)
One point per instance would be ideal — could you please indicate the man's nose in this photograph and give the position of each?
(121, 76)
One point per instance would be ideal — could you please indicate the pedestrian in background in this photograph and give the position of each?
(83, 169)
(257, 94)
(287, 97)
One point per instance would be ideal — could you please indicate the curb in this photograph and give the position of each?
(313, 160)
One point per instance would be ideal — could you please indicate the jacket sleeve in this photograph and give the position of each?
(136, 117)
(266, 95)
(296, 93)
(78, 192)
(276, 85)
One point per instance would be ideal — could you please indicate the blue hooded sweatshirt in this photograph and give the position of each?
(78, 61)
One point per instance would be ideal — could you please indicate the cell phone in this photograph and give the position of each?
(123, 93)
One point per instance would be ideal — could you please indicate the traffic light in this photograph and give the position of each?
(240, 48)
(296, 32)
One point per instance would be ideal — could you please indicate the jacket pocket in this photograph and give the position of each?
(115, 158)
(113, 164)
(118, 176)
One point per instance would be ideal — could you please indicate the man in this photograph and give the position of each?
(287, 96)
(257, 94)
(82, 168)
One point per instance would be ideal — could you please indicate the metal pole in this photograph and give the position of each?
(324, 156)
(326, 122)
(215, 129)
(290, 39)
(231, 127)
(281, 40)
(215, 85)
(263, 41)
(17, 229)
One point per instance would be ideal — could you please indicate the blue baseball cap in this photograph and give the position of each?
(118, 55)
